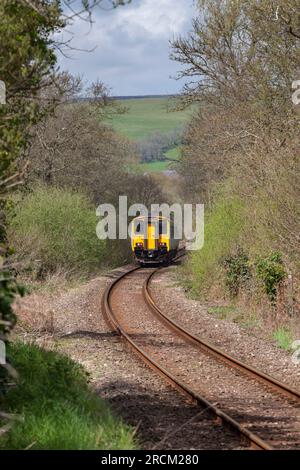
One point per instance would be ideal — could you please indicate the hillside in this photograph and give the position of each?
(146, 116)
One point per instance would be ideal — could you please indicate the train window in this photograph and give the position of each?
(138, 226)
(172, 230)
(163, 227)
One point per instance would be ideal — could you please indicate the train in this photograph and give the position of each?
(153, 240)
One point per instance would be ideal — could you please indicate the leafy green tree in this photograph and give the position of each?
(27, 66)
(27, 61)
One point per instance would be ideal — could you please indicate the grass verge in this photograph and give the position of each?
(222, 312)
(57, 408)
(283, 338)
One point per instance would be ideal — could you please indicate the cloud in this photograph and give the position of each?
(132, 46)
(155, 18)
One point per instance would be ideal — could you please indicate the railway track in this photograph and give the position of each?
(218, 353)
(133, 335)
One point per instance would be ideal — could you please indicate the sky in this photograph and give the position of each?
(131, 44)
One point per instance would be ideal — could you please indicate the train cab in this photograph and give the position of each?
(152, 239)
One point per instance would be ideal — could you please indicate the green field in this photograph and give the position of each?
(146, 116)
(152, 167)
(173, 154)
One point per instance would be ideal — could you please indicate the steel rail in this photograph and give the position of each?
(255, 441)
(212, 349)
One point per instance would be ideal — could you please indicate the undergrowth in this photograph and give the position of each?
(55, 407)
(53, 229)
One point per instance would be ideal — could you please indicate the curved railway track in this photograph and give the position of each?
(222, 357)
(211, 349)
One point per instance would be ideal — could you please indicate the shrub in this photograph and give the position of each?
(270, 271)
(9, 289)
(57, 409)
(222, 231)
(56, 229)
(237, 271)
(283, 337)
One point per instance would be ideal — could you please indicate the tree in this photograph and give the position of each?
(27, 64)
(27, 61)
(239, 62)
(28, 58)
(73, 148)
(239, 50)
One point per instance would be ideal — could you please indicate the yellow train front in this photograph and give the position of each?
(152, 239)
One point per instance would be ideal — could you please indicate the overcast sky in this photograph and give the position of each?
(131, 46)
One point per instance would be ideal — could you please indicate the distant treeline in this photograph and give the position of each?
(130, 97)
(142, 97)
(156, 145)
